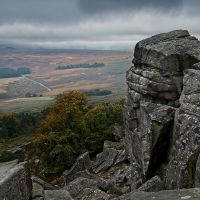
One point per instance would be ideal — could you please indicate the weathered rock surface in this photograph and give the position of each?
(162, 110)
(182, 167)
(57, 195)
(197, 173)
(82, 163)
(105, 160)
(44, 185)
(191, 194)
(153, 185)
(77, 186)
(118, 132)
(94, 194)
(37, 191)
(15, 181)
(108, 176)
(156, 132)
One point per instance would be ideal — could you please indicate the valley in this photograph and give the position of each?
(35, 91)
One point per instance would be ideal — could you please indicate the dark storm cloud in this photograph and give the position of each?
(99, 24)
(71, 11)
(92, 6)
(39, 11)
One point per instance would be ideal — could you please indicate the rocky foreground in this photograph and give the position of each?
(157, 156)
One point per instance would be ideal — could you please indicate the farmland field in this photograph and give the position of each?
(33, 104)
(45, 82)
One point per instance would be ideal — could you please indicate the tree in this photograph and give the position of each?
(69, 129)
(100, 121)
(10, 125)
(24, 70)
(67, 113)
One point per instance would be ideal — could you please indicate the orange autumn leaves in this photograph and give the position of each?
(69, 129)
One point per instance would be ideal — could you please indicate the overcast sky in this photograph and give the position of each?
(93, 24)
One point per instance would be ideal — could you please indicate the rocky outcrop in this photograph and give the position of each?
(182, 167)
(106, 177)
(15, 181)
(162, 110)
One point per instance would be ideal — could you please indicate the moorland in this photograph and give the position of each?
(99, 73)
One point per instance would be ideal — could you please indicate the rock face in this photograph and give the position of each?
(15, 181)
(186, 133)
(162, 119)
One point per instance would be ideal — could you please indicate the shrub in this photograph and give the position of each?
(69, 129)
(6, 156)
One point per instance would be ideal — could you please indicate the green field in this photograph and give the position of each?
(33, 104)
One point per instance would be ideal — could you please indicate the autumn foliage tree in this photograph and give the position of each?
(69, 129)
(67, 113)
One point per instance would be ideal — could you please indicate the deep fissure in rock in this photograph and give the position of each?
(160, 152)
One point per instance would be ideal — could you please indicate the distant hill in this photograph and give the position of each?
(19, 48)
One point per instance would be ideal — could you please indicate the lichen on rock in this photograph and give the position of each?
(162, 109)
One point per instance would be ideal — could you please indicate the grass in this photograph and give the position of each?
(9, 143)
(32, 104)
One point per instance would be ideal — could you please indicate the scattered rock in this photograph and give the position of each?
(15, 181)
(37, 191)
(57, 195)
(45, 185)
(82, 163)
(77, 186)
(153, 185)
(122, 157)
(104, 160)
(94, 194)
(104, 184)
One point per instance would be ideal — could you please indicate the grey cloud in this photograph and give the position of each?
(72, 11)
(39, 11)
(92, 6)
(93, 23)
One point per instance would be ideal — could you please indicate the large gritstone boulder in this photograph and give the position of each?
(162, 129)
(182, 167)
(15, 181)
